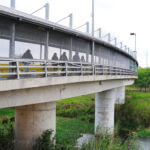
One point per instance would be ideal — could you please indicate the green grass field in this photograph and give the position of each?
(75, 116)
(68, 130)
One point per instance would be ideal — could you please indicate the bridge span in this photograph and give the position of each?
(33, 86)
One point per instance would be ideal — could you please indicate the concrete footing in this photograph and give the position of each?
(31, 121)
(104, 111)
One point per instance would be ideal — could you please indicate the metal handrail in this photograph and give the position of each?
(25, 68)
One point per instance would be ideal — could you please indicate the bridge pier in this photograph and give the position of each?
(104, 111)
(120, 95)
(31, 121)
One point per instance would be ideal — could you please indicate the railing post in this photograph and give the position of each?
(81, 69)
(109, 70)
(120, 44)
(12, 4)
(70, 50)
(12, 47)
(128, 51)
(71, 20)
(102, 69)
(46, 46)
(87, 27)
(100, 33)
(41, 51)
(47, 11)
(18, 71)
(12, 41)
(125, 47)
(93, 66)
(109, 37)
(66, 65)
(115, 41)
(45, 68)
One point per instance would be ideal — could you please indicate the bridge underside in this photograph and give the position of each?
(33, 91)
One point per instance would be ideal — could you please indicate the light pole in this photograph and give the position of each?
(135, 38)
(93, 43)
(93, 11)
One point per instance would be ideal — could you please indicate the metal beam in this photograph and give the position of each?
(70, 51)
(12, 42)
(46, 46)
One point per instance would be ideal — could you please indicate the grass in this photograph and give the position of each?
(145, 133)
(76, 116)
(82, 107)
(86, 99)
(134, 115)
(69, 130)
(6, 113)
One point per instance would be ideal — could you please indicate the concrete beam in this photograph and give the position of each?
(7, 85)
(56, 92)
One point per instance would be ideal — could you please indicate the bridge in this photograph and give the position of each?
(33, 86)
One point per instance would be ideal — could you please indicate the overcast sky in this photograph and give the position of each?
(119, 17)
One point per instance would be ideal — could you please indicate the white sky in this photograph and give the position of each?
(119, 17)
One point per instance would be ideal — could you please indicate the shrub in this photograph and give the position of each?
(85, 112)
(45, 141)
(107, 142)
(134, 114)
(7, 135)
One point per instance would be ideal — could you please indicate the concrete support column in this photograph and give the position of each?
(120, 96)
(104, 111)
(31, 121)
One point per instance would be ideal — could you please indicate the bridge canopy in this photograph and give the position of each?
(20, 32)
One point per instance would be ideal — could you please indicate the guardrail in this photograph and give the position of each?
(25, 68)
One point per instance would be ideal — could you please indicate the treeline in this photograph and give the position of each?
(143, 81)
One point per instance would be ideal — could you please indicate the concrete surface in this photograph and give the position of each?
(31, 121)
(51, 93)
(104, 112)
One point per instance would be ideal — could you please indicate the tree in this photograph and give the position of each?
(143, 80)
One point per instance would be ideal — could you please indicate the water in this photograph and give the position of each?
(144, 143)
(84, 140)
